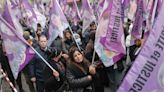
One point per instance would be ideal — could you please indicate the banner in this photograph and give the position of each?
(15, 45)
(28, 12)
(147, 72)
(109, 42)
(87, 14)
(139, 18)
(58, 22)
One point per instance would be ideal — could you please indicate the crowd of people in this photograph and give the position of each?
(77, 69)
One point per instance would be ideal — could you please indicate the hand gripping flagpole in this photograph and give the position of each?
(45, 62)
(58, 79)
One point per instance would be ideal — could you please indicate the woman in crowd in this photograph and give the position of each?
(80, 73)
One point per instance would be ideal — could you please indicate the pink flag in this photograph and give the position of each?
(109, 43)
(87, 14)
(16, 48)
(58, 22)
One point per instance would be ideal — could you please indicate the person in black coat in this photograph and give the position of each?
(79, 73)
(37, 65)
(53, 84)
(134, 49)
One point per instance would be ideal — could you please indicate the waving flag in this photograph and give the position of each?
(58, 22)
(147, 72)
(28, 11)
(139, 18)
(16, 47)
(77, 16)
(99, 8)
(87, 14)
(109, 43)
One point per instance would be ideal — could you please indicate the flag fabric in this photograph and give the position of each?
(28, 12)
(16, 47)
(99, 8)
(109, 42)
(58, 22)
(87, 14)
(74, 13)
(76, 10)
(147, 72)
(139, 18)
(126, 6)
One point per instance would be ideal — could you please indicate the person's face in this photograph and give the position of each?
(78, 57)
(138, 43)
(68, 35)
(39, 28)
(93, 27)
(43, 42)
(39, 32)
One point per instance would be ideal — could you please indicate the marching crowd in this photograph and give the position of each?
(76, 66)
(76, 71)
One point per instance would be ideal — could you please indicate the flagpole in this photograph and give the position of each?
(8, 80)
(30, 47)
(154, 12)
(94, 52)
(43, 59)
(77, 9)
(70, 29)
(74, 38)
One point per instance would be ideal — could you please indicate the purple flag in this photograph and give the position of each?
(28, 11)
(58, 22)
(139, 18)
(87, 14)
(109, 43)
(99, 8)
(147, 72)
(15, 45)
(126, 4)
(76, 9)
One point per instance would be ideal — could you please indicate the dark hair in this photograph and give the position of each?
(39, 25)
(72, 51)
(54, 52)
(92, 35)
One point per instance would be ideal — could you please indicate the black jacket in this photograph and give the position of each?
(51, 83)
(37, 65)
(77, 78)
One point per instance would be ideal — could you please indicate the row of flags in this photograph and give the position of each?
(109, 41)
(147, 72)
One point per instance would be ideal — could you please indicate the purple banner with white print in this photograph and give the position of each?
(147, 71)
(15, 45)
(114, 38)
(58, 22)
(107, 55)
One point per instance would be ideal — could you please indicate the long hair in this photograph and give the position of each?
(72, 51)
